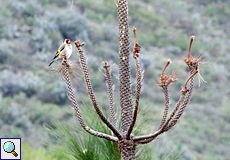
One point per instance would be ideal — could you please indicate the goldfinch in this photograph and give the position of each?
(64, 49)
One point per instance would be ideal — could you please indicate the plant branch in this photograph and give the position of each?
(166, 107)
(136, 54)
(90, 90)
(164, 85)
(110, 93)
(193, 64)
(184, 93)
(165, 127)
(124, 67)
(185, 102)
(75, 106)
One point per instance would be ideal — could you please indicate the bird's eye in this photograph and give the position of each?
(68, 41)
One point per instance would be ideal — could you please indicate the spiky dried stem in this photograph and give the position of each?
(90, 90)
(166, 107)
(110, 93)
(184, 93)
(193, 64)
(124, 67)
(136, 54)
(167, 125)
(165, 88)
(127, 147)
(75, 106)
(185, 102)
(163, 126)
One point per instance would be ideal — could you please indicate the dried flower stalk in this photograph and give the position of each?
(127, 142)
(136, 54)
(110, 93)
(65, 73)
(90, 89)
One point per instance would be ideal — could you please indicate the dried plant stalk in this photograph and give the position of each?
(110, 93)
(124, 67)
(90, 90)
(136, 54)
(193, 64)
(65, 75)
(127, 142)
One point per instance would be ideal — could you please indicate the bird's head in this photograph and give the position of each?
(67, 41)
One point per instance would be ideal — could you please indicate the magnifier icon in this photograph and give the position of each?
(9, 147)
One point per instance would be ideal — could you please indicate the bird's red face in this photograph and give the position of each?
(67, 41)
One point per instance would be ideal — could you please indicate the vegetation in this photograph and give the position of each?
(31, 31)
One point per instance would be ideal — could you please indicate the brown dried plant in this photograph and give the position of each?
(124, 136)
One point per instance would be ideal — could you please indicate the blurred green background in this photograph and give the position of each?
(32, 97)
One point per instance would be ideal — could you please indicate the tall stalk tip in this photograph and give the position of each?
(190, 45)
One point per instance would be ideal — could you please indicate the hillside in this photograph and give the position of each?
(31, 94)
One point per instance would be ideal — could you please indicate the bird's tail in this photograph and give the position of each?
(51, 62)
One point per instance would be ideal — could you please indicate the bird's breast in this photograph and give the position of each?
(69, 46)
(68, 50)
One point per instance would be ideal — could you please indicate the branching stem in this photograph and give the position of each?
(110, 92)
(75, 106)
(90, 90)
(136, 54)
(124, 67)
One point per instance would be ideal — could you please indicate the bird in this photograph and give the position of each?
(64, 49)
